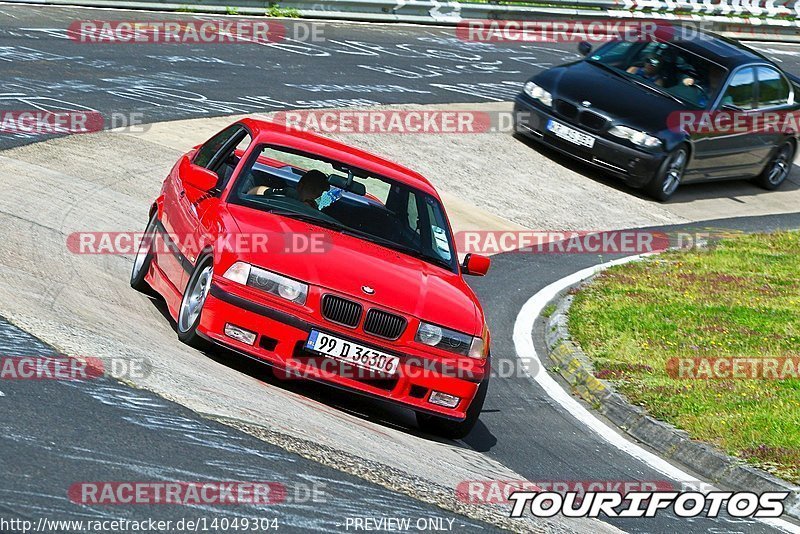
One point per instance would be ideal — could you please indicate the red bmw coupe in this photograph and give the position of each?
(324, 261)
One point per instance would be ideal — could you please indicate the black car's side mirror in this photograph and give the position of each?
(584, 48)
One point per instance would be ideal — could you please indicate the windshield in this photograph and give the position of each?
(329, 194)
(664, 68)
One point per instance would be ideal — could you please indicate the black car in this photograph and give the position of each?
(619, 109)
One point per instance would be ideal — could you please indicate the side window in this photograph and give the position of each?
(773, 89)
(440, 244)
(412, 213)
(205, 156)
(741, 90)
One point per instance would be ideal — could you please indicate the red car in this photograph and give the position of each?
(327, 262)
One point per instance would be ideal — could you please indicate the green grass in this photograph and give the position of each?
(274, 10)
(740, 299)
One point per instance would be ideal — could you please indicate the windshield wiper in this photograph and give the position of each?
(658, 90)
(341, 228)
(410, 251)
(609, 68)
(319, 221)
(627, 76)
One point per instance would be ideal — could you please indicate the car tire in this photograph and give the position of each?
(778, 168)
(194, 297)
(669, 175)
(447, 428)
(144, 258)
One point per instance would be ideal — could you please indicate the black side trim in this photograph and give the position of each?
(173, 248)
(260, 309)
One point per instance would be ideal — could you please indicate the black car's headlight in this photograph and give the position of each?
(264, 280)
(635, 136)
(451, 341)
(534, 91)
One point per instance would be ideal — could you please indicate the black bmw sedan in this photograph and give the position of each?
(662, 113)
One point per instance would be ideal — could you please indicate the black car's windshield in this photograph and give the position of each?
(329, 194)
(664, 68)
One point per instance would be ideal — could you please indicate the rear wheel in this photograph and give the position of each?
(194, 298)
(669, 175)
(778, 168)
(450, 429)
(144, 257)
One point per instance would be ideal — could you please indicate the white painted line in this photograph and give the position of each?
(523, 344)
(2, 394)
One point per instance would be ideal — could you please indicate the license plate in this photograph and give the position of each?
(353, 353)
(570, 134)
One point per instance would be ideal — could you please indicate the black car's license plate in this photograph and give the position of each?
(570, 134)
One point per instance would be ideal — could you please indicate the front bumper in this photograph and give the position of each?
(634, 166)
(281, 339)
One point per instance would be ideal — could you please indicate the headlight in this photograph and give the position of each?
(534, 91)
(450, 340)
(635, 136)
(267, 281)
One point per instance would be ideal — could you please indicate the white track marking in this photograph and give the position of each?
(523, 344)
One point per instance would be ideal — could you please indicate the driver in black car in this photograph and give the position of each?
(310, 187)
(650, 72)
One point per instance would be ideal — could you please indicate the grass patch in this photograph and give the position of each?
(741, 299)
(274, 10)
(548, 310)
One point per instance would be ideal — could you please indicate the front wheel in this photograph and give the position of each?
(194, 298)
(778, 169)
(669, 175)
(144, 257)
(450, 429)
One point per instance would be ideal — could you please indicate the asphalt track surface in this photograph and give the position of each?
(85, 433)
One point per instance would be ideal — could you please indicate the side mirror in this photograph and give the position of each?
(475, 264)
(197, 176)
(584, 48)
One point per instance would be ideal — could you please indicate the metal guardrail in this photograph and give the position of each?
(740, 19)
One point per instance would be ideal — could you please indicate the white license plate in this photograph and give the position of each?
(570, 134)
(353, 353)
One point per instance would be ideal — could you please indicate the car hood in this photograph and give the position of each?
(622, 100)
(402, 283)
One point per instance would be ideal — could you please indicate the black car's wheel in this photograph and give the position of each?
(778, 169)
(144, 257)
(669, 175)
(450, 429)
(194, 297)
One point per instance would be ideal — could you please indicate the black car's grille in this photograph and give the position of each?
(566, 109)
(584, 117)
(383, 324)
(341, 310)
(592, 120)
